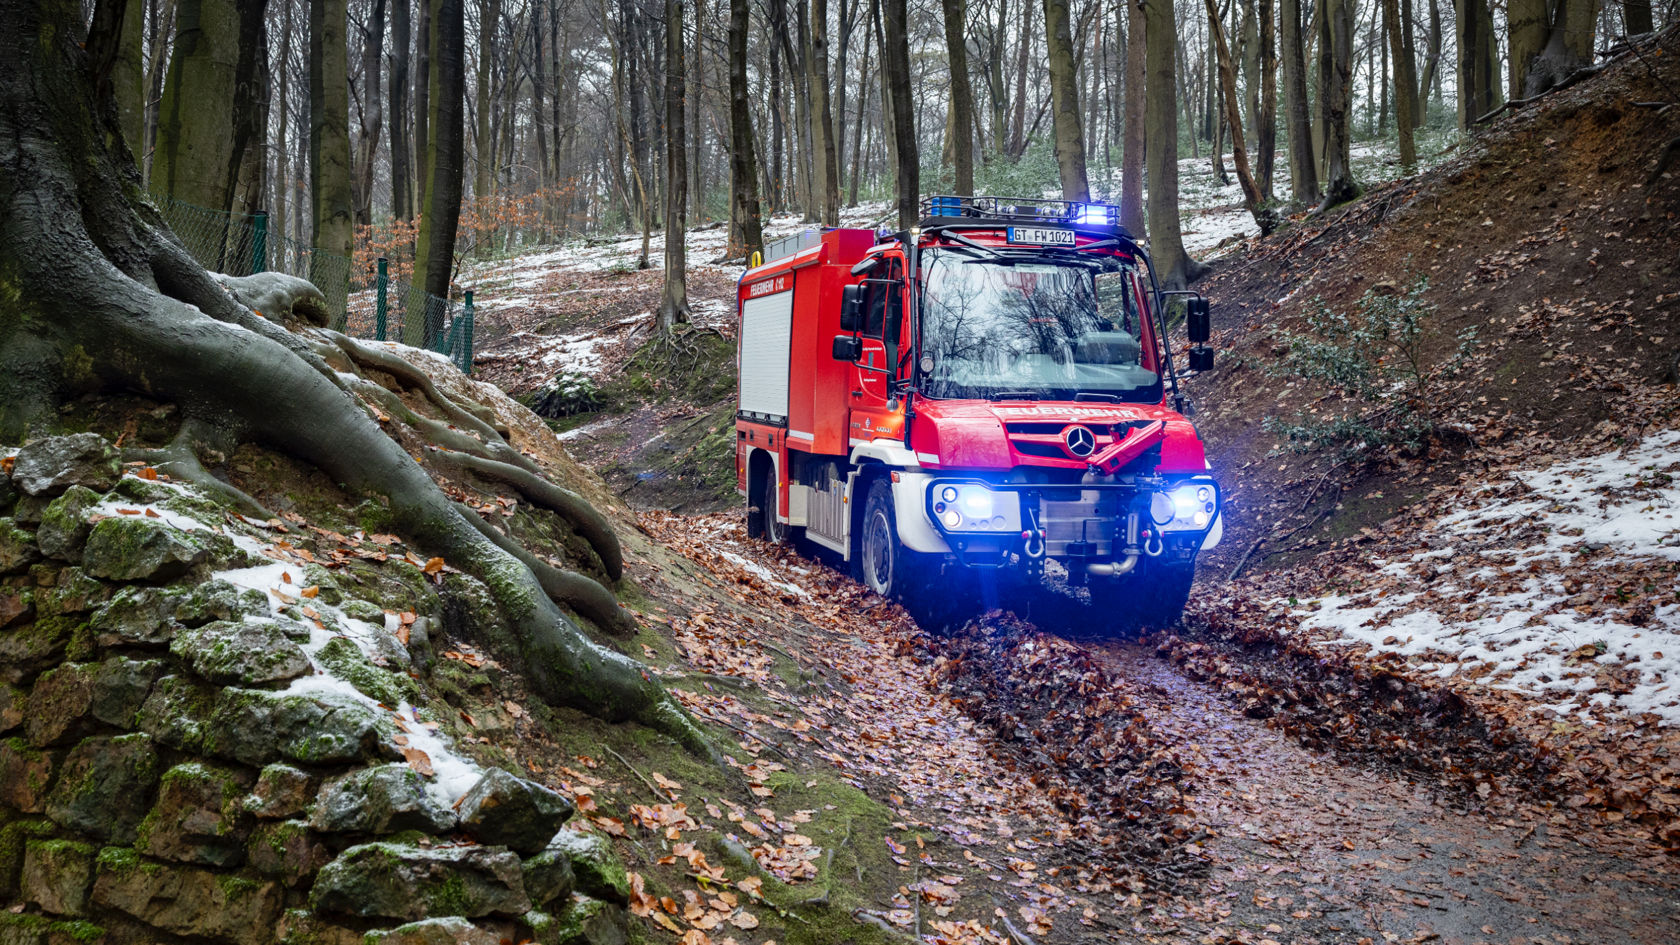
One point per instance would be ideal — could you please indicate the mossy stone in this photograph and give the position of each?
(327, 590)
(220, 600)
(504, 810)
(14, 836)
(281, 791)
(57, 875)
(177, 712)
(136, 548)
(17, 605)
(64, 524)
(399, 881)
(189, 901)
(34, 646)
(138, 616)
(105, 787)
(345, 660)
(379, 800)
(12, 701)
(242, 653)
(25, 775)
(74, 592)
(598, 871)
(197, 817)
(17, 548)
(548, 877)
(60, 708)
(451, 930)
(50, 465)
(583, 921)
(286, 850)
(257, 727)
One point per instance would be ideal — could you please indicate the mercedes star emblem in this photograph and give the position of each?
(1080, 441)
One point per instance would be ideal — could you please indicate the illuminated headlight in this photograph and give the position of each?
(972, 507)
(1193, 506)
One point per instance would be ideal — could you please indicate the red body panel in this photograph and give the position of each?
(975, 434)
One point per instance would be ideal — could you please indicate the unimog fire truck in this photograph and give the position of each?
(988, 391)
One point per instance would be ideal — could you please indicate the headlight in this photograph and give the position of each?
(1193, 507)
(972, 507)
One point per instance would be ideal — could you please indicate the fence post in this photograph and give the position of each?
(259, 243)
(467, 334)
(379, 300)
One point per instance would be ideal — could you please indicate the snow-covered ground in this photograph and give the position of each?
(1559, 583)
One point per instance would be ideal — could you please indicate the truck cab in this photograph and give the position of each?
(989, 391)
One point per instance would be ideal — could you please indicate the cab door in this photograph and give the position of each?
(884, 318)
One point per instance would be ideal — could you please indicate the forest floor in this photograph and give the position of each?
(1419, 696)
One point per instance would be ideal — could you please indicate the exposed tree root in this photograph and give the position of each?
(95, 295)
(180, 461)
(589, 523)
(569, 588)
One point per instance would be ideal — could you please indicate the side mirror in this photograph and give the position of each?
(851, 308)
(847, 348)
(1201, 358)
(865, 265)
(1198, 321)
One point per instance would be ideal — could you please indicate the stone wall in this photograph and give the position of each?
(182, 758)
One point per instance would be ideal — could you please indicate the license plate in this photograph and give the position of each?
(1040, 236)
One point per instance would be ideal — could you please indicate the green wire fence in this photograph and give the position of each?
(364, 301)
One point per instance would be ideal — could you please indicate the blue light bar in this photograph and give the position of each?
(1093, 214)
(945, 206)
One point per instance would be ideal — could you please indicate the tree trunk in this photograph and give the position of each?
(422, 103)
(896, 59)
(162, 21)
(1335, 83)
(282, 147)
(825, 172)
(489, 19)
(743, 170)
(332, 204)
(1303, 168)
(962, 95)
(1526, 29)
(863, 104)
(1569, 47)
(1404, 85)
(1636, 17)
(995, 81)
(1476, 58)
(195, 124)
(1263, 216)
(1431, 63)
(1064, 93)
(1174, 267)
(114, 304)
(367, 145)
(539, 113)
(128, 77)
(402, 188)
(1132, 148)
(434, 257)
(249, 167)
(1266, 139)
(1017, 131)
(673, 302)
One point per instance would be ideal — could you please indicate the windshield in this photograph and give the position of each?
(1032, 328)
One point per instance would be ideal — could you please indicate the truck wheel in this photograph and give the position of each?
(1151, 598)
(887, 566)
(761, 506)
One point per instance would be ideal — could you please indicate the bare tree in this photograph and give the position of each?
(896, 61)
(1335, 97)
(1405, 86)
(1303, 167)
(825, 170)
(743, 170)
(673, 302)
(1132, 147)
(1174, 266)
(434, 257)
(962, 96)
(1263, 215)
(1064, 93)
(367, 144)
(402, 186)
(1477, 55)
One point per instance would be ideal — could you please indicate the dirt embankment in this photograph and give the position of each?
(1543, 236)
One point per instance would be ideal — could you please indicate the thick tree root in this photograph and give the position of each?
(179, 460)
(438, 433)
(414, 377)
(567, 588)
(567, 504)
(95, 295)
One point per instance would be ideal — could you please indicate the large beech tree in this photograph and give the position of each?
(97, 296)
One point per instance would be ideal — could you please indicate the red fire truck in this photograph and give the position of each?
(990, 389)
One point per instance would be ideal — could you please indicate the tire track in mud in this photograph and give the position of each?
(1239, 833)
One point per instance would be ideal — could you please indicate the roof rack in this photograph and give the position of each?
(947, 209)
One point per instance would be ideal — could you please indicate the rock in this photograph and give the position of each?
(29, 510)
(53, 464)
(73, 592)
(17, 548)
(120, 688)
(64, 525)
(35, 646)
(446, 931)
(257, 727)
(196, 818)
(104, 787)
(379, 800)
(502, 810)
(599, 873)
(57, 875)
(134, 548)
(585, 921)
(246, 653)
(326, 586)
(25, 775)
(281, 791)
(187, 901)
(14, 837)
(303, 927)
(398, 881)
(12, 700)
(548, 876)
(287, 851)
(177, 713)
(8, 492)
(220, 600)
(17, 604)
(138, 616)
(60, 706)
(345, 660)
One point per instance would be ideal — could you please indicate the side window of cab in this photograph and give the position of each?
(884, 295)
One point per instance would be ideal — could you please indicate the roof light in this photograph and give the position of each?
(1092, 214)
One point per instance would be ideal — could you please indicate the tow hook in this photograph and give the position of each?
(1032, 544)
(1153, 545)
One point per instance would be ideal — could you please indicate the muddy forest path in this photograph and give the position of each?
(1308, 847)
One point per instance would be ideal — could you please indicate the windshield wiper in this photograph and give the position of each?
(1012, 395)
(959, 238)
(1092, 395)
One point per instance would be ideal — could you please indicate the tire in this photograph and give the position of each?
(885, 565)
(761, 505)
(1151, 598)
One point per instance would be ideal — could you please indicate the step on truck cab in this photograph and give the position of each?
(989, 391)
